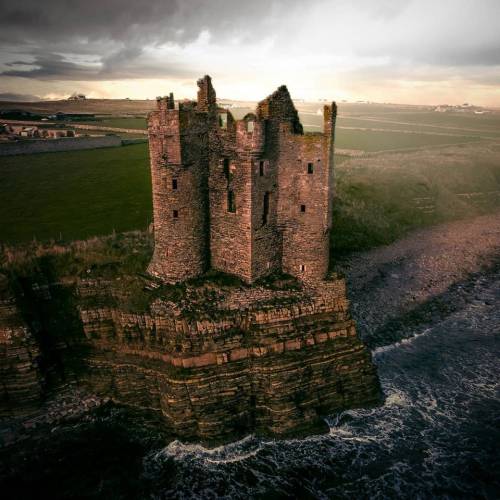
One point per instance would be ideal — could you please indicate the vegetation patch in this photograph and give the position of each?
(74, 195)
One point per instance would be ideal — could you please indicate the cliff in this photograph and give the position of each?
(215, 358)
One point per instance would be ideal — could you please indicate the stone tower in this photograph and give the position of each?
(248, 197)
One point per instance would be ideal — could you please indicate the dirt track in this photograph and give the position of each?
(400, 289)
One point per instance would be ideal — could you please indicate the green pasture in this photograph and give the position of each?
(488, 122)
(372, 140)
(74, 194)
(379, 200)
(118, 122)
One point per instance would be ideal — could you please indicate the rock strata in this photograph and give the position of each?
(252, 359)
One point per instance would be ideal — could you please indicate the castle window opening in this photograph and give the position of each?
(174, 183)
(231, 204)
(227, 170)
(302, 268)
(223, 121)
(261, 168)
(175, 214)
(302, 208)
(310, 168)
(250, 126)
(265, 211)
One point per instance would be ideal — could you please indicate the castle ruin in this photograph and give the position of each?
(211, 361)
(249, 197)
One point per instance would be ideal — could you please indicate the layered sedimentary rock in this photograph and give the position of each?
(20, 380)
(216, 364)
(254, 366)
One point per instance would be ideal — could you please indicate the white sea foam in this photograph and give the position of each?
(385, 348)
(237, 451)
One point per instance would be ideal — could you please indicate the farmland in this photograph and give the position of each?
(74, 195)
(413, 168)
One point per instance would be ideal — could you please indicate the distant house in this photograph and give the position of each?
(56, 133)
(29, 132)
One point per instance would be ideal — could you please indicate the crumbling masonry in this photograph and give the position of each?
(249, 197)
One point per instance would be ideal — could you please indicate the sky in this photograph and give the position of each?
(400, 51)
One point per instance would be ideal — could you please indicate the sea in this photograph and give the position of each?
(437, 434)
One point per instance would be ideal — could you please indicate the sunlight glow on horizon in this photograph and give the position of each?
(403, 52)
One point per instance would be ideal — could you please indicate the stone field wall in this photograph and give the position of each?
(31, 146)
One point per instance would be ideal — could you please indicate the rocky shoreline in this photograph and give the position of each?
(434, 278)
(400, 289)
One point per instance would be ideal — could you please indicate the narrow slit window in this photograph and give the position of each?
(223, 121)
(302, 208)
(261, 168)
(302, 268)
(231, 204)
(265, 208)
(227, 171)
(174, 184)
(310, 168)
(175, 214)
(250, 126)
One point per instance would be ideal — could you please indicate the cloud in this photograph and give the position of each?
(119, 33)
(51, 66)
(123, 64)
(127, 21)
(9, 96)
(247, 44)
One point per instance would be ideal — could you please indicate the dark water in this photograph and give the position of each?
(437, 435)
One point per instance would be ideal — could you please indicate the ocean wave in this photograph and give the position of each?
(400, 343)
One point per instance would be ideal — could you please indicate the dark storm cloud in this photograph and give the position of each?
(49, 66)
(116, 39)
(129, 21)
(115, 66)
(116, 31)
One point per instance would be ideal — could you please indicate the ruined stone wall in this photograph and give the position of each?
(242, 242)
(259, 196)
(179, 165)
(304, 202)
(251, 360)
(230, 231)
(32, 146)
(266, 237)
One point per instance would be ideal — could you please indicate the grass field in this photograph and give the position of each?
(381, 198)
(74, 194)
(374, 140)
(118, 122)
